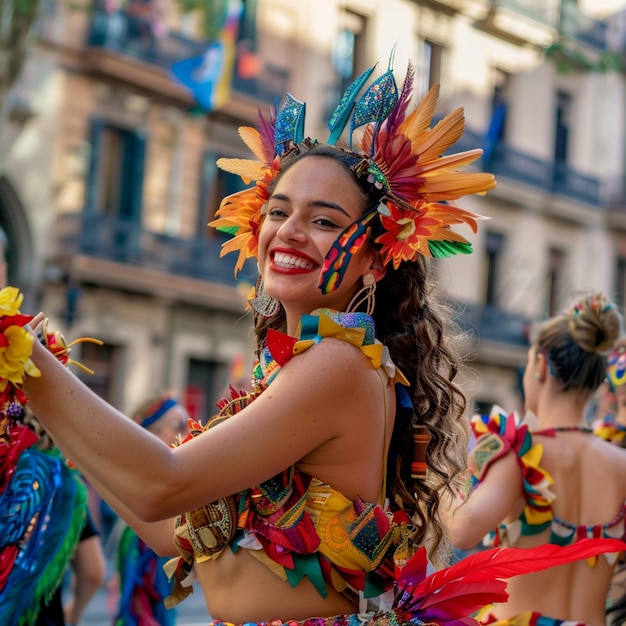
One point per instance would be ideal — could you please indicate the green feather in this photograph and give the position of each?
(442, 249)
(231, 230)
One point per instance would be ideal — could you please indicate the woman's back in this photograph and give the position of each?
(590, 488)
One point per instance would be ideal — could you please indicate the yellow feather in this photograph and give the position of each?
(447, 132)
(458, 160)
(418, 122)
(247, 169)
(252, 138)
(452, 186)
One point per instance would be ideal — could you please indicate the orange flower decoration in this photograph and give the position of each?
(241, 214)
(422, 230)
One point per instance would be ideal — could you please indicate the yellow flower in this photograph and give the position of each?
(15, 362)
(10, 301)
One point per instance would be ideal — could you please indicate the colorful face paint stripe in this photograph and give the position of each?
(342, 251)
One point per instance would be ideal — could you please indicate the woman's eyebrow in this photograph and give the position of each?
(314, 203)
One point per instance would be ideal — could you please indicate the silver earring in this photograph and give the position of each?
(366, 294)
(264, 305)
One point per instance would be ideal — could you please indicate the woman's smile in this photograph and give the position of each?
(289, 261)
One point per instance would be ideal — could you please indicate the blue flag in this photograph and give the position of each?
(209, 76)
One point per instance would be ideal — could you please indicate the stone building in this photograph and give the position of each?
(108, 174)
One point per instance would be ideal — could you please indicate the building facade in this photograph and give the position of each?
(108, 174)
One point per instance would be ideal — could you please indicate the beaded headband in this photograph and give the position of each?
(400, 154)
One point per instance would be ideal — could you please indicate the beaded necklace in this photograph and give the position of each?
(563, 429)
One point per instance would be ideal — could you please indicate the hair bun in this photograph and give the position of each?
(595, 323)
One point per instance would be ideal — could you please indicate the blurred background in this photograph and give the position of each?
(113, 112)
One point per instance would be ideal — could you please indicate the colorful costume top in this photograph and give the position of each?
(499, 433)
(293, 523)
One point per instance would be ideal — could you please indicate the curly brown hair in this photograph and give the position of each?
(416, 325)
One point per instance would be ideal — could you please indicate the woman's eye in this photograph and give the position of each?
(325, 223)
(276, 212)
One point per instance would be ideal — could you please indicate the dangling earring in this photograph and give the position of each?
(366, 294)
(264, 305)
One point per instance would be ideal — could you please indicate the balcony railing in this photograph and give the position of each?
(564, 18)
(490, 323)
(548, 176)
(133, 36)
(540, 10)
(125, 242)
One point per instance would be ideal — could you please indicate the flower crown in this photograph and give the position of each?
(400, 154)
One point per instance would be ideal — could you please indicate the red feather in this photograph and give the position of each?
(398, 113)
(266, 129)
(498, 564)
(451, 595)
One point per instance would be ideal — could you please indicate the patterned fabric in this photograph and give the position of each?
(390, 618)
(611, 430)
(293, 523)
(530, 618)
(143, 584)
(512, 433)
(42, 508)
(382, 618)
(497, 434)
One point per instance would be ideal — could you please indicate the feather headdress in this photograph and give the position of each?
(399, 153)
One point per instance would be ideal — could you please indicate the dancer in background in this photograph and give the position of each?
(143, 584)
(547, 479)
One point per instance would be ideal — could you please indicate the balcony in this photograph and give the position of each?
(132, 36)
(492, 324)
(127, 41)
(547, 176)
(123, 242)
(522, 22)
(540, 22)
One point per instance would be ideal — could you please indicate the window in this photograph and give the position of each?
(348, 58)
(493, 261)
(115, 182)
(430, 66)
(620, 282)
(563, 123)
(206, 383)
(348, 51)
(554, 280)
(106, 363)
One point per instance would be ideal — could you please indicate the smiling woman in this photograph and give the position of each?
(315, 497)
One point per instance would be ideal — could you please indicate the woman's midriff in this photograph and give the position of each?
(237, 588)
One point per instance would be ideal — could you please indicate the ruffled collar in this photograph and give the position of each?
(355, 328)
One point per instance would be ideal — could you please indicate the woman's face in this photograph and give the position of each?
(312, 203)
(173, 423)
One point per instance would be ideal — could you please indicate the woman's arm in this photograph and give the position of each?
(307, 406)
(497, 495)
(159, 535)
